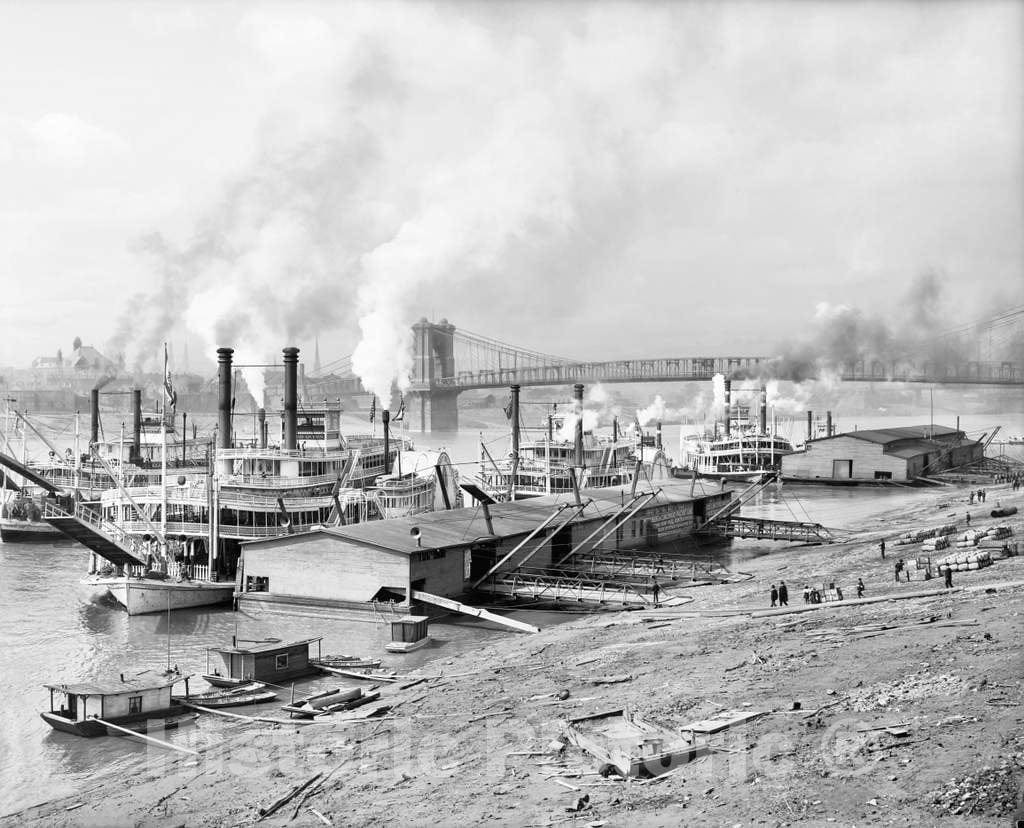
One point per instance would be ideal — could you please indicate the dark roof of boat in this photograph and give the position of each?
(146, 680)
(269, 647)
(884, 436)
(463, 527)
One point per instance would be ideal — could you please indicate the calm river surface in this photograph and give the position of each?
(49, 633)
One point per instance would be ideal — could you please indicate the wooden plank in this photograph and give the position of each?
(724, 720)
(149, 739)
(466, 609)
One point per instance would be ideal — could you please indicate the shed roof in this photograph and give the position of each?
(884, 436)
(146, 680)
(269, 647)
(463, 527)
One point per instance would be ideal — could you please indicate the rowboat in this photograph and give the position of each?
(252, 693)
(350, 662)
(225, 681)
(331, 701)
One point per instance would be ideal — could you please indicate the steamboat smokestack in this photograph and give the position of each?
(291, 401)
(828, 423)
(728, 407)
(224, 396)
(615, 429)
(261, 419)
(385, 418)
(94, 413)
(136, 425)
(577, 390)
(810, 425)
(764, 410)
(515, 420)
(658, 444)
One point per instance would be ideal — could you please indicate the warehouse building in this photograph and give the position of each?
(879, 455)
(445, 552)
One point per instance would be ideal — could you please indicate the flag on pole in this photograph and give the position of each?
(373, 409)
(401, 410)
(169, 392)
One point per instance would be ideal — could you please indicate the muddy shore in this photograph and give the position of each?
(946, 669)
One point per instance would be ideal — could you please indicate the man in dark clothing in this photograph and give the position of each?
(899, 569)
(775, 596)
(860, 588)
(783, 594)
(968, 518)
(655, 589)
(949, 577)
(881, 547)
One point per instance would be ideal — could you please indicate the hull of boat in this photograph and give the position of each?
(141, 596)
(28, 531)
(228, 699)
(154, 721)
(95, 589)
(406, 646)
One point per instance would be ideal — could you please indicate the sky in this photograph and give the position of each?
(600, 180)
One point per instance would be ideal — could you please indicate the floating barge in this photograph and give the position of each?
(271, 662)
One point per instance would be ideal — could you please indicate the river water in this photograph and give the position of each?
(50, 634)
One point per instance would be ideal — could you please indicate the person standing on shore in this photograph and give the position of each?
(775, 596)
(949, 577)
(783, 594)
(860, 588)
(968, 518)
(807, 593)
(881, 548)
(899, 568)
(655, 589)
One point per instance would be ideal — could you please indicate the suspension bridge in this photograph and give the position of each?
(447, 361)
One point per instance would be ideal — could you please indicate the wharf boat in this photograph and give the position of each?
(135, 702)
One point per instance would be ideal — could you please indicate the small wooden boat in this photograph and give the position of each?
(311, 705)
(331, 701)
(218, 680)
(252, 693)
(347, 661)
(358, 674)
(133, 702)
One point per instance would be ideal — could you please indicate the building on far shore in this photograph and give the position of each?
(879, 455)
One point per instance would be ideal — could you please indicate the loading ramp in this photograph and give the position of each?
(90, 530)
(733, 526)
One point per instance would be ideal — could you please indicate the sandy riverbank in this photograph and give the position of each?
(442, 757)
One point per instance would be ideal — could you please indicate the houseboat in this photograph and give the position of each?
(408, 633)
(130, 702)
(270, 662)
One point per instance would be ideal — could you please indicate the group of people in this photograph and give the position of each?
(780, 595)
(812, 595)
(981, 496)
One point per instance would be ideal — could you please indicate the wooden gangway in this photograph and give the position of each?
(89, 529)
(540, 586)
(733, 526)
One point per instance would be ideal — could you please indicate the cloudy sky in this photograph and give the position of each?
(597, 180)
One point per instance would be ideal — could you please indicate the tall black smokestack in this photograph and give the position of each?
(764, 410)
(136, 424)
(261, 419)
(224, 396)
(385, 418)
(291, 398)
(515, 420)
(828, 423)
(810, 425)
(578, 396)
(728, 407)
(658, 444)
(94, 414)
(615, 429)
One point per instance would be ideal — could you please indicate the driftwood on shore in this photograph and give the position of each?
(288, 797)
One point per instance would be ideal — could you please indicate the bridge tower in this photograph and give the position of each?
(433, 375)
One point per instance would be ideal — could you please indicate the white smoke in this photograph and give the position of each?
(567, 431)
(653, 413)
(718, 383)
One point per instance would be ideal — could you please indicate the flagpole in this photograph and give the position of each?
(163, 460)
